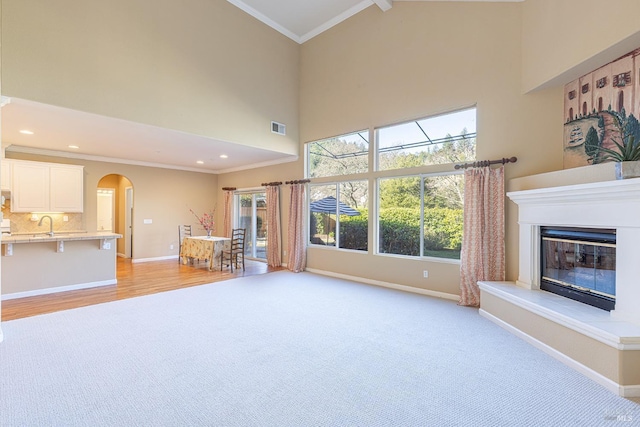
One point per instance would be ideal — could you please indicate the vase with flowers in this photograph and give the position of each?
(206, 221)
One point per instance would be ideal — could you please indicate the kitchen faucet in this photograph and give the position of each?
(50, 233)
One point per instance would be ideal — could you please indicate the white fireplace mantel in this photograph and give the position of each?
(608, 204)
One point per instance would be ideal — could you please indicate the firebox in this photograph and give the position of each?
(579, 263)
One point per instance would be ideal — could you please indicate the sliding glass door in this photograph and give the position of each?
(251, 214)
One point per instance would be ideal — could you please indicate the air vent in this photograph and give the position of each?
(278, 128)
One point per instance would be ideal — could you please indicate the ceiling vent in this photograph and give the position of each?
(278, 128)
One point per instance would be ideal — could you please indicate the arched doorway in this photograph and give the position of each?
(115, 210)
(570, 114)
(599, 104)
(584, 108)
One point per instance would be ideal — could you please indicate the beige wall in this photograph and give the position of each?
(198, 66)
(563, 40)
(231, 73)
(162, 195)
(419, 59)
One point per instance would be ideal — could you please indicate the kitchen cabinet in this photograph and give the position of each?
(66, 188)
(5, 174)
(46, 187)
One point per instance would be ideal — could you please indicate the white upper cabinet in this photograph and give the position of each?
(5, 177)
(46, 187)
(30, 192)
(66, 188)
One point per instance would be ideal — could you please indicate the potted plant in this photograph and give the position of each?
(627, 158)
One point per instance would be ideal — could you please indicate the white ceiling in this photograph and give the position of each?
(301, 20)
(115, 140)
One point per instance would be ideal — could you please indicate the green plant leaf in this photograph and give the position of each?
(627, 152)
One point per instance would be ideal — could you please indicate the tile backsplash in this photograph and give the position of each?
(21, 222)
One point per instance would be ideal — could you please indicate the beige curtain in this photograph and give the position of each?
(228, 207)
(273, 226)
(482, 256)
(297, 260)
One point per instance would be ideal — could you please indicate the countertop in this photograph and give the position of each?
(59, 236)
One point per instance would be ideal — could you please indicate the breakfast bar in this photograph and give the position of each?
(38, 264)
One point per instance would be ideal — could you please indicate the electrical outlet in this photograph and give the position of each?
(65, 218)
(425, 274)
(170, 246)
(284, 253)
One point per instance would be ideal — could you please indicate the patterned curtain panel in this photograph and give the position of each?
(482, 255)
(273, 226)
(296, 242)
(228, 204)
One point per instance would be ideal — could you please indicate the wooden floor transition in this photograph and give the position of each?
(134, 279)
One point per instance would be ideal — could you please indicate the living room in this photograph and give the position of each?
(210, 69)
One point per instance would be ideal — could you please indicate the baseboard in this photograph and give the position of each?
(57, 289)
(620, 390)
(160, 258)
(386, 284)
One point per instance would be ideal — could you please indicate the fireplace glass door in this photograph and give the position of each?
(580, 265)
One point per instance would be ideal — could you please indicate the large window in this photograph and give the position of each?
(342, 155)
(442, 139)
(338, 215)
(421, 216)
(419, 193)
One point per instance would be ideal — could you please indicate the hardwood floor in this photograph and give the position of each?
(133, 280)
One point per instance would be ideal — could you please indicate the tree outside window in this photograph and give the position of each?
(339, 215)
(419, 209)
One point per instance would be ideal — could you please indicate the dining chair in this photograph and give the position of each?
(183, 231)
(235, 253)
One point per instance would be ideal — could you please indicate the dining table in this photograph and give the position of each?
(204, 248)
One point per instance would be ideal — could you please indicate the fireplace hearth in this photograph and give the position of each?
(603, 344)
(606, 205)
(580, 264)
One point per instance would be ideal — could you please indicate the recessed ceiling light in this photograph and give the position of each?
(74, 146)
(223, 156)
(26, 132)
(200, 162)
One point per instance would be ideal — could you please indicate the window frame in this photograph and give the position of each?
(373, 177)
(422, 177)
(337, 184)
(307, 154)
(375, 137)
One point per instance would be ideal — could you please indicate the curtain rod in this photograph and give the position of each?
(267, 184)
(299, 181)
(484, 163)
(229, 188)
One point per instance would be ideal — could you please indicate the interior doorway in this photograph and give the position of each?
(117, 190)
(106, 209)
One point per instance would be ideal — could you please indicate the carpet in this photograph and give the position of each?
(286, 349)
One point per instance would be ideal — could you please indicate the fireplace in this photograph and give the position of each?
(591, 230)
(580, 264)
(606, 205)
